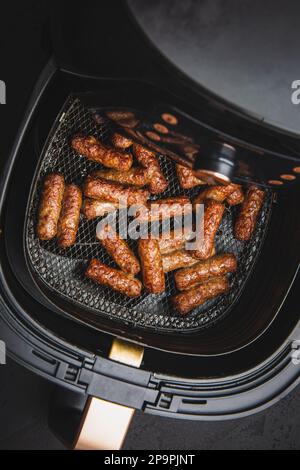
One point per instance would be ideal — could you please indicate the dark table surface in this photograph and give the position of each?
(24, 397)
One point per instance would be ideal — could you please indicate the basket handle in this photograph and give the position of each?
(104, 425)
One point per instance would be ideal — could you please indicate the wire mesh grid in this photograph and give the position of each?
(62, 271)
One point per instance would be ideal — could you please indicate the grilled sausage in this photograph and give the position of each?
(213, 214)
(178, 259)
(97, 188)
(232, 193)
(149, 160)
(246, 222)
(125, 119)
(236, 197)
(164, 209)
(118, 249)
(120, 141)
(92, 208)
(119, 115)
(175, 240)
(186, 301)
(113, 278)
(187, 178)
(152, 268)
(50, 206)
(214, 267)
(134, 177)
(70, 215)
(94, 150)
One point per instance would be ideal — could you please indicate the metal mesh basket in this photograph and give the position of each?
(62, 271)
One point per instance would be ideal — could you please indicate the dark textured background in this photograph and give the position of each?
(24, 397)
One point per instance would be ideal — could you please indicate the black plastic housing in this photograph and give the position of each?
(227, 372)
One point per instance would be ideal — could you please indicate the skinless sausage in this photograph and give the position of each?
(97, 188)
(187, 301)
(118, 249)
(149, 160)
(213, 214)
(164, 209)
(178, 259)
(92, 208)
(175, 240)
(187, 178)
(214, 267)
(50, 206)
(70, 215)
(135, 176)
(113, 278)
(120, 141)
(152, 267)
(94, 150)
(236, 197)
(246, 221)
(232, 193)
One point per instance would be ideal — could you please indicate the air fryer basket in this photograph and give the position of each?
(62, 271)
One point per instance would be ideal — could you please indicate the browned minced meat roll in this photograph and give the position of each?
(69, 217)
(93, 208)
(118, 249)
(232, 193)
(50, 206)
(125, 119)
(178, 259)
(187, 178)
(213, 214)
(120, 141)
(246, 222)
(152, 267)
(134, 177)
(164, 209)
(149, 160)
(236, 197)
(214, 267)
(187, 301)
(174, 240)
(97, 188)
(94, 150)
(113, 278)
(118, 115)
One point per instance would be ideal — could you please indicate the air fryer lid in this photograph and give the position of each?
(99, 39)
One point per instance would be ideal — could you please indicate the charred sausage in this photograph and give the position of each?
(50, 206)
(70, 215)
(152, 267)
(186, 301)
(94, 150)
(134, 177)
(187, 178)
(149, 160)
(214, 267)
(213, 214)
(118, 249)
(113, 278)
(164, 209)
(92, 208)
(97, 188)
(246, 222)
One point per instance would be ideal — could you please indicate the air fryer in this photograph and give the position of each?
(110, 356)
